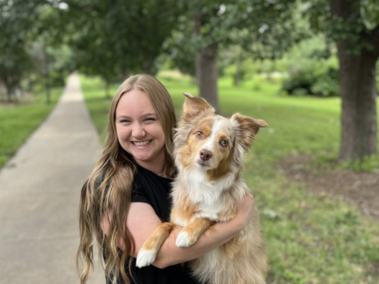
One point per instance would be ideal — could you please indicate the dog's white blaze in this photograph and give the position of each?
(216, 128)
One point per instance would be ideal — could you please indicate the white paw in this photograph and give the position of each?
(182, 240)
(145, 257)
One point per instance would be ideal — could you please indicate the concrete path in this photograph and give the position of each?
(39, 196)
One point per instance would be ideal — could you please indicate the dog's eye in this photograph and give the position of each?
(199, 134)
(224, 143)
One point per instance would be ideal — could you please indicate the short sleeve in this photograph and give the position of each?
(139, 194)
(154, 190)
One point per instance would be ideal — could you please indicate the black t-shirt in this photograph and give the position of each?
(155, 190)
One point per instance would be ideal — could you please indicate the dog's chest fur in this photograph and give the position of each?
(196, 197)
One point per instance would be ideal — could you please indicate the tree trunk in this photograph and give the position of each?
(238, 78)
(359, 114)
(46, 73)
(107, 89)
(206, 70)
(207, 74)
(9, 92)
(9, 87)
(124, 73)
(358, 87)
(148, 66)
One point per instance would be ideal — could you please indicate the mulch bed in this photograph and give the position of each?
(359, 188)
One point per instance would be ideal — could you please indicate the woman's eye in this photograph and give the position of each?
(150, 119)
(224, 143)
(124, 121)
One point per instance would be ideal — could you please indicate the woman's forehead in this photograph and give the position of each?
(135, 102)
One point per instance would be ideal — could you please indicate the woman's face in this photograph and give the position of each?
(139, 131)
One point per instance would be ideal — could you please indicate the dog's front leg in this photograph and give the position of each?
(151, 246)
(191, 233)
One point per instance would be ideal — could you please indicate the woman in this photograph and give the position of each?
(127, 195)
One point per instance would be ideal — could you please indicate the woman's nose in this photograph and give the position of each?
(138, 130)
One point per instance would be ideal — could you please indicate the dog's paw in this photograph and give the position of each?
(145, 257)
(183, 241)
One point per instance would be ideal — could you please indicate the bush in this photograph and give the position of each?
(327, 85)
(313, 80)
(312, 69)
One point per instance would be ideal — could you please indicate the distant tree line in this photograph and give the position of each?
(116, 38)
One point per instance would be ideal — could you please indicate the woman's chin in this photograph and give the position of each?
(141, 158)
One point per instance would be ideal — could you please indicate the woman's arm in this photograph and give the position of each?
(142, 221)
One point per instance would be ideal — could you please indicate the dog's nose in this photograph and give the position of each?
(205, 155)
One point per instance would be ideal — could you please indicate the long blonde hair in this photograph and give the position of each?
(107, 191)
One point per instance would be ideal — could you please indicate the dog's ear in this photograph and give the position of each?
(194, 106)
(247, 127)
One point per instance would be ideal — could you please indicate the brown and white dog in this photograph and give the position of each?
(209, 154)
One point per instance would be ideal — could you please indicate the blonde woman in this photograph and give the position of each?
(127, 195)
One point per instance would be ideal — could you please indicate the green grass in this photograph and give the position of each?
(18, 121)
(311, 238)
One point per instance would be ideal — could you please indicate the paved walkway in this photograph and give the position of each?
(39, 196)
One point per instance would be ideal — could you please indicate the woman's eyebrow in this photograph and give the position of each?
(123, 116)
(144, 115)
(148, 114)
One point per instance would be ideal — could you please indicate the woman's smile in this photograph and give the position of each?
(141, 143)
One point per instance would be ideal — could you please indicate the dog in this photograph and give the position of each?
(209, 154)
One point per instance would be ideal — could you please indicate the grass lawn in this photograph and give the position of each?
(18, 121)
(311, 238)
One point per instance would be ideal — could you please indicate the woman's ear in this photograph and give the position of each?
(194, 106)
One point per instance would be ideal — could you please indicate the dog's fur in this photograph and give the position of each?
(209, 154)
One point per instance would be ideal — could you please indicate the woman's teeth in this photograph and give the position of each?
(141, 143)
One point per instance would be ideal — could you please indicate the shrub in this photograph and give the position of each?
(313, 79)
(312, 69)
(327, 84)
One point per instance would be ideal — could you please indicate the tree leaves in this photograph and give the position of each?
(351, 21)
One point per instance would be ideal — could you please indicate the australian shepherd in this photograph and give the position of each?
(209, 154)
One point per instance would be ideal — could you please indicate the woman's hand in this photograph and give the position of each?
(245, 210)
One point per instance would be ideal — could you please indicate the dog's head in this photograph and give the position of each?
(212, 142)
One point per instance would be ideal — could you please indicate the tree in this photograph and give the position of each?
(108, 37)
(28, 30)
(354, 26)
(15, 62)
(214, 25)
(178, 49)
(121, 36)
(206, 57)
